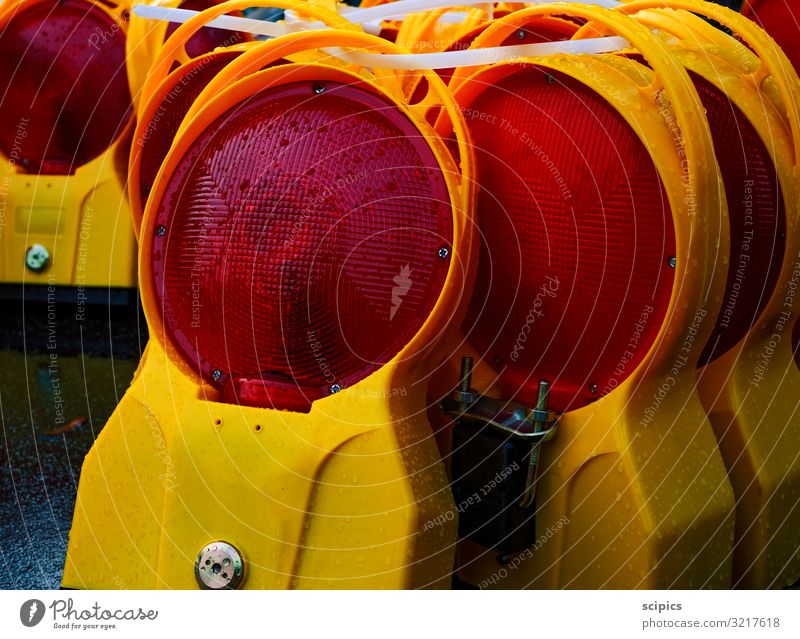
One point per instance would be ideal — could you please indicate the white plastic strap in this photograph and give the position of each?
(477, 57)
(406, 61)
(401, 8)
(228, 23)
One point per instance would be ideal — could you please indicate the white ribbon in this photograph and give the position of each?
(406, 61)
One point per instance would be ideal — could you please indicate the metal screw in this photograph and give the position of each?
(541, 398)
(533, 464)
(37, 257)
(219, 566)
(443, 252)
(672, 261)
(318, 88)
(466, 374)
(521, 34)
(335, 388)
(593, 389)
(216, 374)
(161, 231)
(549, 78)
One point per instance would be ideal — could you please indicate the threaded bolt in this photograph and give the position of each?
(466, 374)
(544, 391)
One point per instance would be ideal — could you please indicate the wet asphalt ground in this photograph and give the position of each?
(61, 375)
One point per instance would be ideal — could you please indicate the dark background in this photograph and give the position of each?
(39, 466)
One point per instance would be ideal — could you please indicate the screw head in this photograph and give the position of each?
(335, 388)
(443, 252)
(593, 389)
(37, 257)
(673, 261)
(216, 374)
(521, 34)
(317, 89)
(219, 566)
(550, 78)
(161, 231)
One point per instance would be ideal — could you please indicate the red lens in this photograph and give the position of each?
(62, 69)
(306, 238)
(532, 34)
(781, 20)
(757, 219)
(187, 83)
(574, 279)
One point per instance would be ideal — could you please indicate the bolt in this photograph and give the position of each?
(672, 261)
(219, 566)
(549, 78)
(37, 257)
(544, 391)
(335, 388)
(466, 374)
(318, 88)
(216, 374)
(443, 252)
(521, 34)
(593, 389)
(161, 231)
(533, 463)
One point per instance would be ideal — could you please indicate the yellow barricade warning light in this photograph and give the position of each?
(67, 117)
(304, 246)
(602, 265)
(748, 383)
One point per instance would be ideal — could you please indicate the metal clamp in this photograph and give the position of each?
(533, 425)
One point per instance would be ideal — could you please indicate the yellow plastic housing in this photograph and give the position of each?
(750, 392)
(83, 219)
(633, 491)
(336, 498)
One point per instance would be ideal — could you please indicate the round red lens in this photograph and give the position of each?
(757, 219)
(574, 277)
(301, 242)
